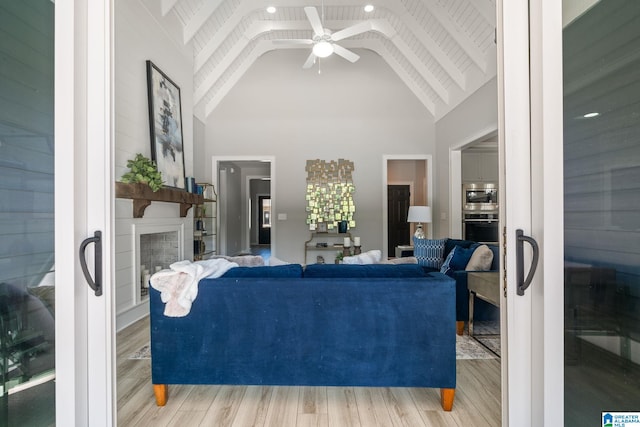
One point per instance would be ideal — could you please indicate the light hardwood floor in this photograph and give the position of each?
(477, 401)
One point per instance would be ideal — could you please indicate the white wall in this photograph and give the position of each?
(353, 111)
(139, 37)
(470, 121)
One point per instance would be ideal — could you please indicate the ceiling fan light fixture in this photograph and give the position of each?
(322, 49)
(369, 8)
(271, 9)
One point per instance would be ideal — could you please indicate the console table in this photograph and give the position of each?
(486, 286)
(333, 242)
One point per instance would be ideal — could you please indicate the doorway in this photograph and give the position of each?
(397, 208)
(243, 182)
(402, 172)
(264, 220)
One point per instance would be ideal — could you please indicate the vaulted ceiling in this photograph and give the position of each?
(443, 50)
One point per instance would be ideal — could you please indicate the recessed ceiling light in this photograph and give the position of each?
(589, 115)
(369, 8)
(271, 9)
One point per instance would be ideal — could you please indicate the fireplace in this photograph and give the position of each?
(156, 248)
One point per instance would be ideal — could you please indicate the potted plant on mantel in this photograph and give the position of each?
(143, 184)
(143, 170)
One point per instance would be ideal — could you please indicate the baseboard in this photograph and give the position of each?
(132, 315)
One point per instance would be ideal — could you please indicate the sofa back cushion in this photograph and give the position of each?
(287, 270)
(363, 271)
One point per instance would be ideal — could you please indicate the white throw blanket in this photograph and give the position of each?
(179, 286)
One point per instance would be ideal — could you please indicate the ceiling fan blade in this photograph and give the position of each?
(353, 30)
(345, 53)
(310, 61)
(293, 41)
(314, 20)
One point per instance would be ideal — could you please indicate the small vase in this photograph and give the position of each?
(342, 227)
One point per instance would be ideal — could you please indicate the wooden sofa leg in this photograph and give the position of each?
(161, 391)
(446, 398)
(459, 327)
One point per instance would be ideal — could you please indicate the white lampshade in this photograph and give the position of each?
(419, 214)
(322, 49)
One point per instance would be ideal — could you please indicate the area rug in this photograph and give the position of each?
(468, 348)
(491, 342)
(143, 353)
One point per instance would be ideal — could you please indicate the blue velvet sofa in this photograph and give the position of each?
(383, 326)
(482, 309)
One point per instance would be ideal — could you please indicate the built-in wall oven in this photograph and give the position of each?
(480, 212)
(480, 227)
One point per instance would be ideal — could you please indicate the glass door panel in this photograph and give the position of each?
(602, 212)
(27, 333)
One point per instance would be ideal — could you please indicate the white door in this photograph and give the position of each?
(530, 116)
(83, 205)
(55, 335)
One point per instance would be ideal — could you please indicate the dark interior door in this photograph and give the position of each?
(397, 206)
(264, 220)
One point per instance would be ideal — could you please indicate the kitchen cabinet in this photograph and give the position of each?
(479, 166)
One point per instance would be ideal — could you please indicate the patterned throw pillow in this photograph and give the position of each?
(429, 252)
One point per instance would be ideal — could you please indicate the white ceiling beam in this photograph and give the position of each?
(379, 48)
(261, 48)
(260, 27)
(434, 49)
(166, 6)
(245, 8)
(198, 20)
(264, 46)
(212, 77)
(487, 9)
(458, 35)
(388, 31)
(214, 42)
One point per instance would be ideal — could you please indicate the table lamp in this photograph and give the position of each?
(419, 214)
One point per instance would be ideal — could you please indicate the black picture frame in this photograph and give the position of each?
(165, 126)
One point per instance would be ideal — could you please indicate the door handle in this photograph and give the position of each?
(523, 283)
(96, 284)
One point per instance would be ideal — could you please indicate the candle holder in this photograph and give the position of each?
(346, 251)
(357, 250)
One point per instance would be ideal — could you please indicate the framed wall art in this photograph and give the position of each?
(165, 124)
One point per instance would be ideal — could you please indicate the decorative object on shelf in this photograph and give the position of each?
(339, 257)
(419, 214)
(329, 194)
(322, 227)
(357, 249)
(165, 125)
(342, 226)
(204, 222)
(144, 171)
(320, 259)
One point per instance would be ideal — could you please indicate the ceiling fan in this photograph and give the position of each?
(324, 40)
